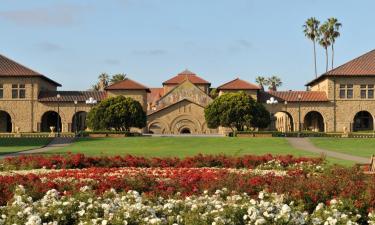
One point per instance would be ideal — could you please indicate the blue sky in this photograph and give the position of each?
(73, 41)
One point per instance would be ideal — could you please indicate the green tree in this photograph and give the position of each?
(117, 113)
(333, 31)
(117, 77)
(214, 93)
(261, 81)
(274, 82)
(233, 110)
(324, 40)
(260, 116)
(311, 31)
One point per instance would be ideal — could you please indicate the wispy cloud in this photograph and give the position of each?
(47, 46)
(112, 61)
(244, 43)
(55, 15)
(150, 52)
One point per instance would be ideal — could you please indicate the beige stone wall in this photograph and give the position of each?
(183, 115)
(138, 95)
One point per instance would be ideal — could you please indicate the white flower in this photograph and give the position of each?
(33, 220)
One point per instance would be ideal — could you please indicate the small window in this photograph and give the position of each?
(363, 93)
(370, 93)
(1, 91)
(349, 93)
(18, 91)
(346, 91)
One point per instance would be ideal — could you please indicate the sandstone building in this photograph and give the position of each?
(341, 99)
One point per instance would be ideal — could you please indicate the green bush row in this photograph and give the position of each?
(303, 134)
(107, 133)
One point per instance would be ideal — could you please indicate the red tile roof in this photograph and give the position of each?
(127, 84)
(292, 96)
(155, 94)
(363, 65)
(10, 68)
(70, 96)
(238, 84)
(186, 75)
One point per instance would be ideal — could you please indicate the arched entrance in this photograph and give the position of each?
(5, 122)
(79, 121)
(50, 119)
(363, 121)
(283, 122)
(313, 121)
(185, 131)
(156, 128)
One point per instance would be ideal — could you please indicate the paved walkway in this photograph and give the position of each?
(306, 145)
(56, 143)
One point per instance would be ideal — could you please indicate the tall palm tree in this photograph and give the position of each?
(261, 81)
(103, 81)
(324, 40)
(333, 30)
(311, 31)
(274, 82)
(117, 77)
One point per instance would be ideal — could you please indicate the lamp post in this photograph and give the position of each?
(299, 115)
(91, 101)
(75, 117)
(272, 101)
(58, 96)
(286, 116)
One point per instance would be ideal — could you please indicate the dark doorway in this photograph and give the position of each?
(5, 122)
(363, 121)
(185, 131)
(50, 119)
(314, 122)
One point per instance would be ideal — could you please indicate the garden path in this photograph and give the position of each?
(56, 143)
(306, 145)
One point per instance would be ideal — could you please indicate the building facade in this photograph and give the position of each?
(337, 101)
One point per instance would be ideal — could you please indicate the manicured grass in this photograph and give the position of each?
(364, 147)
(9, 145)
(182, 146)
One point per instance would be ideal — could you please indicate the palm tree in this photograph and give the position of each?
(103, 81)
(117, 77)
(274, 82)
(333, 30)
(324, 40)
(261, 81)
(311, 30)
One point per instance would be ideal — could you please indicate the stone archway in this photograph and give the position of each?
(283, 121)
(50, 119)
(313, 121)
(79, 121)
(5, 122)
(156, 128)
(363, 121)
(187, 123)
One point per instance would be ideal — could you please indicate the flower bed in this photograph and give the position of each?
(315, 193)
(81, 161)
(222, 207)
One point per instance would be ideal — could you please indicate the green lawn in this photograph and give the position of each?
(181, 146)
(9, 145)
(364, 147)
